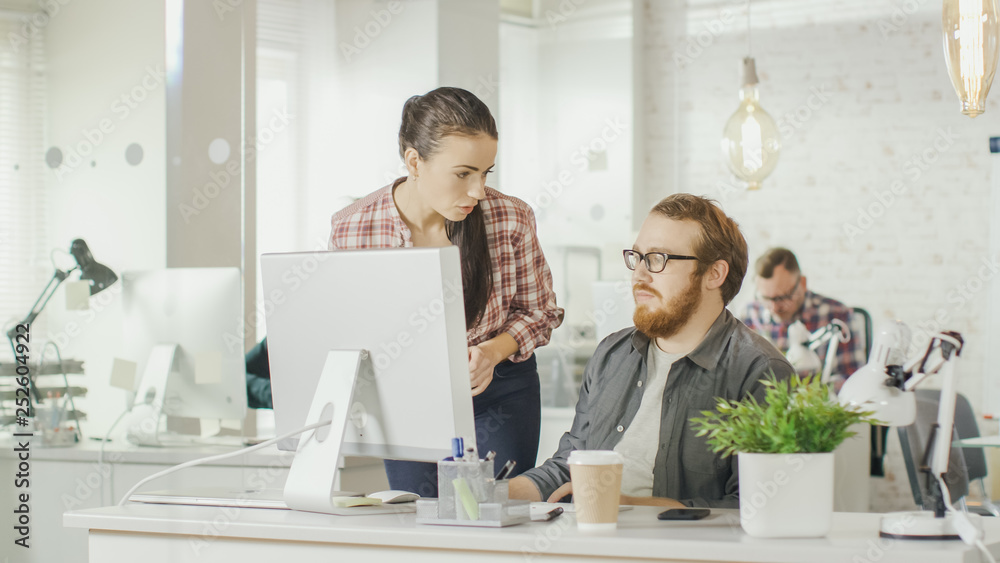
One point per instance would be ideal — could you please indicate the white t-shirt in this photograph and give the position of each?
(641, 439)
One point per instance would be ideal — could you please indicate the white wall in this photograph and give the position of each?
(566, 137)
(98, 52)
(861, 93)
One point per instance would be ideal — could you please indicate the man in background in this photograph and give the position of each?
(783, 298)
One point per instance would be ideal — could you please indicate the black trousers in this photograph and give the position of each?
(508, 416)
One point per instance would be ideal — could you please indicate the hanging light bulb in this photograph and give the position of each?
(750, 140)
(971, 48)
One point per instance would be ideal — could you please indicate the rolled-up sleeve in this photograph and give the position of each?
(533, 313)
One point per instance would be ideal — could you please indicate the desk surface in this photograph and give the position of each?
(122, 452)
(639, 536)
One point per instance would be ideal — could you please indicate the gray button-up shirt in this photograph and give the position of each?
(728, 363)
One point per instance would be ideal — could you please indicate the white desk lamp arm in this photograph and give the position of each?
(834, 333)
(939, 357)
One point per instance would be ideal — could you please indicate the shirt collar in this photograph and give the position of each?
(397, 219)
(707, 353)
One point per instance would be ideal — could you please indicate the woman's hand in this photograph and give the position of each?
(562, 491)
(481, 366)
(484, 357)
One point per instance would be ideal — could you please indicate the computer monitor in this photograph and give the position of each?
(405, 307)
(182, 328)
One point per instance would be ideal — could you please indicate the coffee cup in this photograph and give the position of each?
(597, 483)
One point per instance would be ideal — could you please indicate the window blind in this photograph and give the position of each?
(24, 256)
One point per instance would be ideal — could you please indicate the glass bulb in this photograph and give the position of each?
(750, 140)
(971, 49)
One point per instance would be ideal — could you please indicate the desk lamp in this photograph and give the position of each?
(100, 277)
(887, 390)
(802, 347)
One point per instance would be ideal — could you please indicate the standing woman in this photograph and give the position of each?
(448, 141)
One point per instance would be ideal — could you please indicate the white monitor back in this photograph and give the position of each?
(199, 310)
(405, 307)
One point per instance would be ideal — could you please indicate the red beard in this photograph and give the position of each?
(668, 320)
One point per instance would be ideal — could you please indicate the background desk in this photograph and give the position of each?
(161, 534)
(69, 478)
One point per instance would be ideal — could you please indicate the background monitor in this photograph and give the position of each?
(405, 306)
(200, 311)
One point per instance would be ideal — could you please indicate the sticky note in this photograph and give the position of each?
(208, 368)
(123, 374)
(78, 295)
(348, 502)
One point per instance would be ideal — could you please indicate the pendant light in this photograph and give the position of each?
(750, 140)
(971, 47)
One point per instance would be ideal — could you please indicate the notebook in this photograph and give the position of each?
(255, 498)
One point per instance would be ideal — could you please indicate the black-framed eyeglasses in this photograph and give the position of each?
(779, 299)
(655, 261)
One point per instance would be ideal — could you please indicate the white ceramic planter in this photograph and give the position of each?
(786, 495)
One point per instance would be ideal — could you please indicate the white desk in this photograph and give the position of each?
(161, 534)
(70, 479)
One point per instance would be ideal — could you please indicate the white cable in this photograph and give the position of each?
(218, 457)
(966, 529)
(107, 435)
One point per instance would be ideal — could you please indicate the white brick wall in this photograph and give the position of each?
(861, 91)
(858, 103)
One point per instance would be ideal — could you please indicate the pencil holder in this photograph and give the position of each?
(468, 495)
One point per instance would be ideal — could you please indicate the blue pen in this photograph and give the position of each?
(457, 448)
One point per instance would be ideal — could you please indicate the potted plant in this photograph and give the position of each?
(785, 446)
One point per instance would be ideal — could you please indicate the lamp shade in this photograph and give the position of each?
(99, 275)
(971, 34)
(804, 360)
(750, 139)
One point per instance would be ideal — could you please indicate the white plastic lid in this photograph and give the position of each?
(595, 457)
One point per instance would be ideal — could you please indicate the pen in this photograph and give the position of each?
(550, 515)
(505, 470)
(490, 455)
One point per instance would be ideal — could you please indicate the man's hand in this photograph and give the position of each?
(522, 488)
(565, 489)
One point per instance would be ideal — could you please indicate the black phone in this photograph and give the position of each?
(684, 514)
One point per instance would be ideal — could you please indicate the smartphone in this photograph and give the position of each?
(684, 514)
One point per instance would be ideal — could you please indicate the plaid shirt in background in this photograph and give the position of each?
(522, 303)
(816, 312)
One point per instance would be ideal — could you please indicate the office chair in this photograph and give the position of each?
(913, 439)
(975, 458)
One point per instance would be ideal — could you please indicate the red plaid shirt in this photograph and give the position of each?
(816, 312)
(522, 303)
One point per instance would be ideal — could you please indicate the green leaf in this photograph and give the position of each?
(796, 416)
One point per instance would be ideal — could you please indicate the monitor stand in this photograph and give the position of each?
(147, 407)
(314, 469)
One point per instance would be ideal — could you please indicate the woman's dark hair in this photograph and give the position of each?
(427, 120)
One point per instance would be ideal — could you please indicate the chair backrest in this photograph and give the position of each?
(913, 439)
(866, 320)
(966, 427)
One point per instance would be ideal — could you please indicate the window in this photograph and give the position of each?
(24, 261)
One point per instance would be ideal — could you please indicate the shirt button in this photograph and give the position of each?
(670, 400)
(620, 428)
(640, 384)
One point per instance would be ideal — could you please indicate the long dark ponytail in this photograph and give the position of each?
(427, 120)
